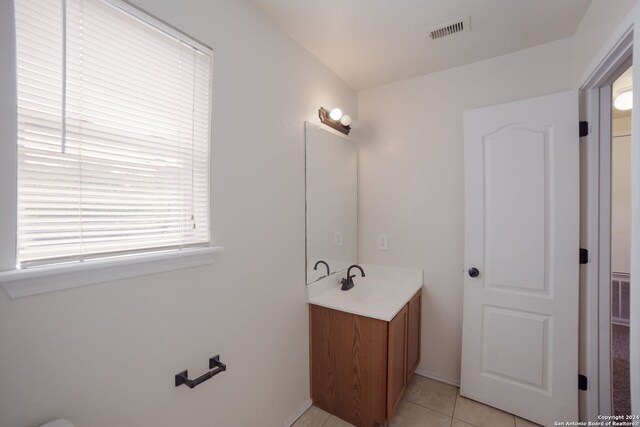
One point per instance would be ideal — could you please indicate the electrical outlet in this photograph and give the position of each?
(383, 242)
(337, 238)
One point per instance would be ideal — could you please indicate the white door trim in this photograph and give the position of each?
(603, 252)
(589, 165)
(612, 55)
(634, 332)
(595, 194)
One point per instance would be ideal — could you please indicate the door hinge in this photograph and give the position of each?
(582, 382)
(584, 256)
(584, 129)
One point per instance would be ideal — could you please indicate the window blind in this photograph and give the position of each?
(113, 133)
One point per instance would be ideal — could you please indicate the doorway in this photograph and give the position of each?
(603, 297)
(521, 298)
(620, 271)
(607, 356)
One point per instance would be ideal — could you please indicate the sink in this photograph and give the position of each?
(381, 294)
(367, 290)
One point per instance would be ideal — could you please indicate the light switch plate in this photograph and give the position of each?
(337, 238)
(383, 242)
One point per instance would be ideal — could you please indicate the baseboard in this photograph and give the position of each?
(301, 410)
(439, 378)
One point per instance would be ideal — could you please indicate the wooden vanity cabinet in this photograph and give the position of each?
(360, 366)
(414, 317)
(397, 366)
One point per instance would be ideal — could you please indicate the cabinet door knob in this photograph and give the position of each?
(474, 272)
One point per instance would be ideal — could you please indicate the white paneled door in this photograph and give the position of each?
(520, 328)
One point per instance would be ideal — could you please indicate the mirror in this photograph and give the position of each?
(332, 201)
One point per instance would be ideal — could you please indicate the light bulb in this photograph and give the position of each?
(345, 120)
(624, 101)
(336, 114)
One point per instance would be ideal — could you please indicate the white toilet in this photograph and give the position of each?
(58, 423)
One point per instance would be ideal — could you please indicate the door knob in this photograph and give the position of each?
(474, 272)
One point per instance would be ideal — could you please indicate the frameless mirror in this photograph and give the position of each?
(332, 201)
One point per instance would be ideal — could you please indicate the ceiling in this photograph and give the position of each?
(373, 42)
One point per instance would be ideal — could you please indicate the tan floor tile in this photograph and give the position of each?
(458, 423)
(411, 415)
(432, 394)
(336, 422)
(520, 422)
(313, 417)
(480, 415)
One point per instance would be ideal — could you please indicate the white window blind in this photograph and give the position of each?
(113, 133)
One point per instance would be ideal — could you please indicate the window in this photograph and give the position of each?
(114, 115)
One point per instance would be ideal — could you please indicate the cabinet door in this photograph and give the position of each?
(397, 366)
(348, 365)
(413, 334)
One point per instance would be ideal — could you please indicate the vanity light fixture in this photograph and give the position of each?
(335, 119)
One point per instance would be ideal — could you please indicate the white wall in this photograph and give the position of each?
(599, 22)
(411, 177)
(621, 204)
(621, 196)
(105, 355)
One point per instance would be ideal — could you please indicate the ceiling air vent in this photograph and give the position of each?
(457, 26)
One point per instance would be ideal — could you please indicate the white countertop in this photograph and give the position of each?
(381, 294)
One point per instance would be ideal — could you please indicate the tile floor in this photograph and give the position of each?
(428, 403)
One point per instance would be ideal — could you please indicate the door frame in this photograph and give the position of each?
(595, 207)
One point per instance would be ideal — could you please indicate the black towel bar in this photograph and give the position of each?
(214, 362)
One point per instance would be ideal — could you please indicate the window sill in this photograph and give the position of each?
(38, 280)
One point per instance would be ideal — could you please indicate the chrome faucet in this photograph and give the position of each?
(315, 267)
(347, 283)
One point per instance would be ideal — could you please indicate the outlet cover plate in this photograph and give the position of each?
(383, 241)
